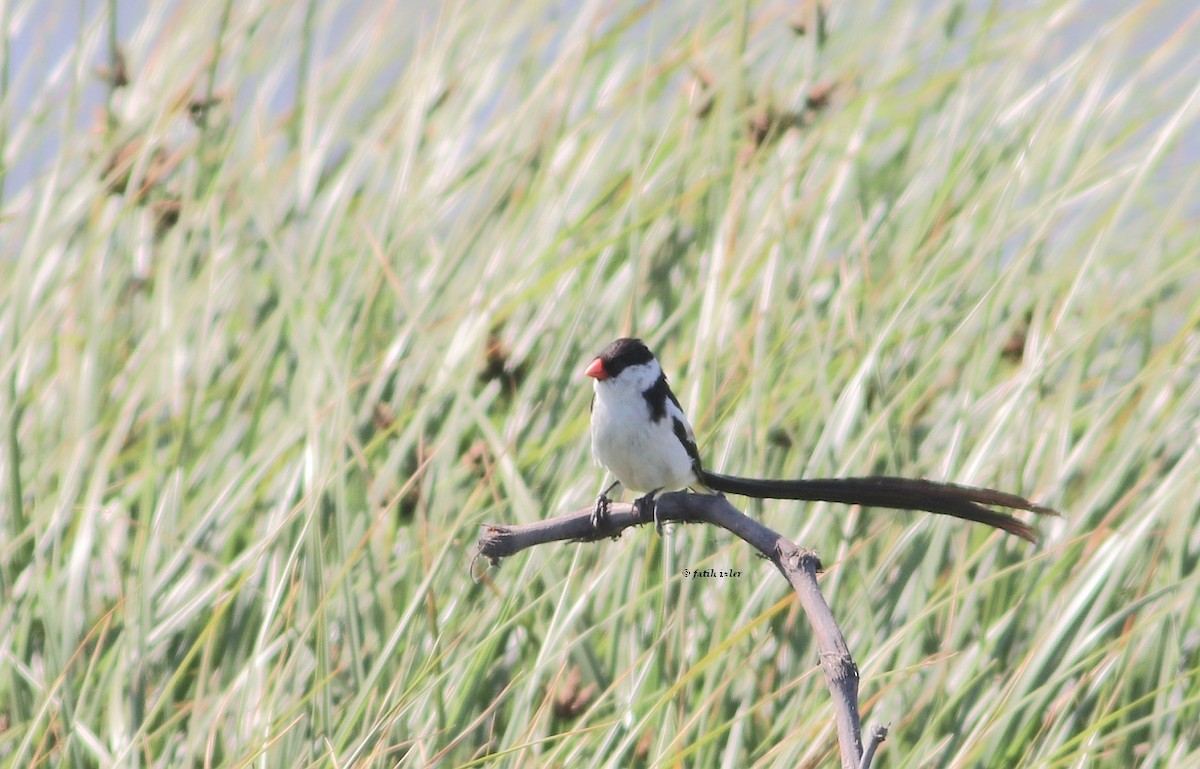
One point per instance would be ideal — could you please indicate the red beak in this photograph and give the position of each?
(596, 370)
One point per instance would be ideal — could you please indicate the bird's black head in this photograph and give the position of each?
(618, 356)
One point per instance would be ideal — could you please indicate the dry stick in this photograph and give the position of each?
(878, 735)
(798, 565)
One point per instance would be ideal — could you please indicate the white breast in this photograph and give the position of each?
(644, 455)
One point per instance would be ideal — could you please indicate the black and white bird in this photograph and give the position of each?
(641, 435)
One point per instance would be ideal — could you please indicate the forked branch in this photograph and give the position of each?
(798, 565)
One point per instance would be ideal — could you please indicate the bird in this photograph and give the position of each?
(642, 436)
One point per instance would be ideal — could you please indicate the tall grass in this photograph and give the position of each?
(291, 312)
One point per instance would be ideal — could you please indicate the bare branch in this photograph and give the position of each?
(798, 565)
(878, 734)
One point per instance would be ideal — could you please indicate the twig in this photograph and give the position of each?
(798, 565)
(878, 734)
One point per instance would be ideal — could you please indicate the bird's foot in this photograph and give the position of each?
(647, 510)
(600, 511)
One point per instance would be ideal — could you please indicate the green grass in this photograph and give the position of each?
(247, 451)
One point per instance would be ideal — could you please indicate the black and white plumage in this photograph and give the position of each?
(641, 435)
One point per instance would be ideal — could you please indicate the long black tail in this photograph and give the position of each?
(897, 493)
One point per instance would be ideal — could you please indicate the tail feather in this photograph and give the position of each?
(965, 502)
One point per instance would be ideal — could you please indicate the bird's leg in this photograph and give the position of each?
(641, 503)
(600, 511)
